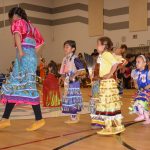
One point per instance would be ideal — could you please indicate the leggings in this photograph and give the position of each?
(9, 107)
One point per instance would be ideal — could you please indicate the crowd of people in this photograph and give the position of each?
(123, 73)
(109, 73)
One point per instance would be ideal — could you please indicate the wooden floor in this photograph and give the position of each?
(56, 135)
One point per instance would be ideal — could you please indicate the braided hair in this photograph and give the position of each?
(18, 11)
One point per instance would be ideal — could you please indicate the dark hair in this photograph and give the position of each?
(54, 67)
(80, 54)
(72, 44)
(95, 50)
(12, 62)
(43, 59)
(18, 11)
(107, 42)
(129, 56)
(123, 46)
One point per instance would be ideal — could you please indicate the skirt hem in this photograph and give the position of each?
(22, 100)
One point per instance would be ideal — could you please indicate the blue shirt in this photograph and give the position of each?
(142, 77)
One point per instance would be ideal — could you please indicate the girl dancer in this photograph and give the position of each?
(20, 88)
(51, 92)
(71, 69)
(141, 77)
(109, 105)
(93, 71)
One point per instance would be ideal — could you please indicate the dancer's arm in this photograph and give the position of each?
(135, 84)
(18, 44)
(114, 63)
(96, 72)
(37, 49)
(39, 40)
(60, 91)
(147, 87)
(110, 74)
(134, 75)
(81, 72)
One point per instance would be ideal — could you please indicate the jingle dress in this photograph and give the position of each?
(20, 87)
(72, 98)
(108, 106)
(51, 93)
(142, 96)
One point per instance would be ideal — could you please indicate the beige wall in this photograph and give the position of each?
(79, 31)
(116, 35)
(76, 31)
(7, 48)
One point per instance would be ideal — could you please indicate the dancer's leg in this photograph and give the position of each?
(38, 117)
(5, 122)
(140, 114)
(8, 109)
(147, 118)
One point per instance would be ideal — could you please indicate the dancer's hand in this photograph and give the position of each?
(62, 79)
(107, 76)
(147, 87)
(136, 85)
(72, 78)
(95, 78)
(21, 54)
(141, 89)
(17, 39)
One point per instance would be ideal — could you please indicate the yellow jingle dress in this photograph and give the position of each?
(108, 107)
